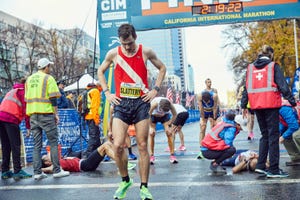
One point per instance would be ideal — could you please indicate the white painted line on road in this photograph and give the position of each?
(154, 184)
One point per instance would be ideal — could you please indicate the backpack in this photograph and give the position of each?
(82, 107)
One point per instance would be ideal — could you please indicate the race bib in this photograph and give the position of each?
(130, 90)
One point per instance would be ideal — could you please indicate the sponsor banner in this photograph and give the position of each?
(160, 14)
(183, 17)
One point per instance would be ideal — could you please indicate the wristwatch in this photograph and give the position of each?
(156, 88)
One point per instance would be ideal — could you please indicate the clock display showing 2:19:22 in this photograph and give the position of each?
(221, 8)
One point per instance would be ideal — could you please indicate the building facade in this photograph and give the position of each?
(169, 47)
(22, 44)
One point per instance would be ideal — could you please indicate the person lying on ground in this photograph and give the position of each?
(74, 164)
(243, 160)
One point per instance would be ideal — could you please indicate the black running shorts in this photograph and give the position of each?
(162, 119)
(181, 119)
(132, 111)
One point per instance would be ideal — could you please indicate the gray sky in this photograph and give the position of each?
(203, 43)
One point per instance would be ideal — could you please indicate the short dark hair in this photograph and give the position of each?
(126, 30)
(165, 105)
(230, 115)
(61, 82)
(267, 50)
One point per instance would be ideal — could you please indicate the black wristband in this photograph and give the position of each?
(156, 88)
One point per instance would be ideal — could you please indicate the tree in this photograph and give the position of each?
(69, 56)
(245, 40)
(31, 39)
(9, 53)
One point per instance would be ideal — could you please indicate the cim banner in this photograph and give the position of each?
(161, 14)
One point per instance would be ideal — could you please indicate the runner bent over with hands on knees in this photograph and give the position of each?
(159, 112)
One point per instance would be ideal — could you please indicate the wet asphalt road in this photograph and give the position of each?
(189, 179)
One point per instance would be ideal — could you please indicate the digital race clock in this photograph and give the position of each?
(220, 8)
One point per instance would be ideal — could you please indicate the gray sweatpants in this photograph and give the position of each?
(38, 124)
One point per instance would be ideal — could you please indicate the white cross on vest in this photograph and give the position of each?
(259, 76)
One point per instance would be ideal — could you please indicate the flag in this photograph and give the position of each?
(177, 100)
(295, 86)
(170, 94)
(189, 99)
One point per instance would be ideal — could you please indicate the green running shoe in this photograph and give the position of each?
(6, 175)
(130, 166)
(121, 191)
(200, 156)
(145, 194)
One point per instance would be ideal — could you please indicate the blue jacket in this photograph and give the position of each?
(227, 134)
(62, 101)
(289, 115)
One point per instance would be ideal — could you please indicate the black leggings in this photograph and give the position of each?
(92, 162)
(219, 156)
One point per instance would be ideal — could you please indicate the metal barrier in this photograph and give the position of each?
(69, 132)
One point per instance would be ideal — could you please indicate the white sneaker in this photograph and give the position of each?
(40, 176)
(60, 174)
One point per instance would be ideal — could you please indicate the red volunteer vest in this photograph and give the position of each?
(12, 105)
(212, 140)
(261, 88)
(130, 69)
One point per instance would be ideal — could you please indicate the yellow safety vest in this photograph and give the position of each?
(39, 88)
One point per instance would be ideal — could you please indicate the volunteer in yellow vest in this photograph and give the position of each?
(41, 93)
(265, 84)
(93, 117)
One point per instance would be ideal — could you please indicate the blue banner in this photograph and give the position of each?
(160, 14)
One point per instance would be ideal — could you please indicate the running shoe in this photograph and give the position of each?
(280, 174)
(131, 156)
(40, 176)
(217, 169)
(173, 159)
(130, 166)
(200, 155)
(250, 136)
(182, 148)
(145, 194)
(7, 175)
(60, 174)
(21, 175)
(121, 191)
(260, 171)
(152, 160)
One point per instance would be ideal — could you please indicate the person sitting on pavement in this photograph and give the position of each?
(289, 131)
(160, 112)
(75, 164)
(243, 160)
(217, 145)
(209, 111)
